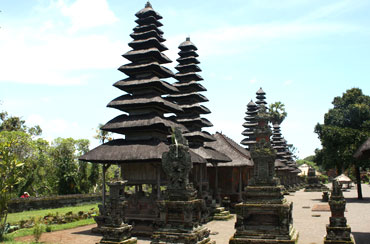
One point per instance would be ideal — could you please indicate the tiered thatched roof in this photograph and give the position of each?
(188, 98)
(143, 124)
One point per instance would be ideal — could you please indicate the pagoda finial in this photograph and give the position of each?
(148, 5)
(188, 39)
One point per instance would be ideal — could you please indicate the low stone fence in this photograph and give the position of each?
(34, 203)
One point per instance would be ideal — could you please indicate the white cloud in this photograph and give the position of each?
(88, 13)
(230, 40)
(36, 57)
(287, 82)
(254, 81)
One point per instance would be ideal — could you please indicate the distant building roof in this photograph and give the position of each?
(239, 155)
(343, 178)
(364, 150)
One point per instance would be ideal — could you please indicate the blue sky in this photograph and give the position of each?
(59, 59)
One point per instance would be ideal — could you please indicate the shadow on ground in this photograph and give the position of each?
(355, 200)
(361, 237)
(85, 232)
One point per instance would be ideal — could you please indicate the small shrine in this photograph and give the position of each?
(313, 182)
(265, 216)
(180, 212)
(338, 232)
(110, 221)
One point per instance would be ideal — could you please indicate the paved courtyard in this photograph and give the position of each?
(310, 224)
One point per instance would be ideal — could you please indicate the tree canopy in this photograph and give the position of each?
(346, 126)
(277, 112)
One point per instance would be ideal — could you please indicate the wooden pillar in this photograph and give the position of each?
(158, 182)
(216, 183)
(105, 167)
(240, 184)
(200, 179)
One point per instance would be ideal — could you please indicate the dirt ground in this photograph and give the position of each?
(310, 224)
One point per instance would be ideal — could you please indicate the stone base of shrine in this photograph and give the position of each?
(316, 188)
(117, 235)
(264, 222)
(198, 235)
(338, 235)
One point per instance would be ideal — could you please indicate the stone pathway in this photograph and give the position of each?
(310, 224)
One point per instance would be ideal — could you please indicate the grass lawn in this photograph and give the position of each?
(14, 218)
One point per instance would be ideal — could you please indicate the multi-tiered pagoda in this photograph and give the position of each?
(264, 216)
(250, 125)
(281, 168)
(142, 124)
(189, 98)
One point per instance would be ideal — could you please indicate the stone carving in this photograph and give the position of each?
(337, 231)
(110, 222)
(177, 165)
(180, 213)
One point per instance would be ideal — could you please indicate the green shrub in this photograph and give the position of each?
(38, 229)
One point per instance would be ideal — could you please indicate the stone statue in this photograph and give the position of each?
(177, 165)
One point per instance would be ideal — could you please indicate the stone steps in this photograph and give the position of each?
(221, 214)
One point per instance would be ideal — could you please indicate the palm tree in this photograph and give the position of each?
(277, 112)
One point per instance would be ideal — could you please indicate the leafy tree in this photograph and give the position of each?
(102, 135)
(345, 128)
(71, 175)
(14, 123)
(277, 112)
(13, 153)
(63, 154)
(82, 147)
(94, 175)
(39, 179)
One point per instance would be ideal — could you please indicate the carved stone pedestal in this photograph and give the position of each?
(180, 223)
(337, 232)
(117, 235)
(265, 218)
(110, 222)
(313, 182)
(180, 214)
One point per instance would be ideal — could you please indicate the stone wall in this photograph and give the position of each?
(33, 203)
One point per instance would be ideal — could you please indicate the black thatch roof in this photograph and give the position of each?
(199, 135)
(211, 155)
(133, 69)
(147, 34)
(128, 103)
(193, 86)
(124, 123)
(239, 156)
(364, 150)
(153, 83)
(147, 43)
(123, 151)
(152, 52)
(148, 11)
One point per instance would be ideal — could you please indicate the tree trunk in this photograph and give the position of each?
(358, 179)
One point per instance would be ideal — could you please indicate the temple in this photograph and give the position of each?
(142, 124)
